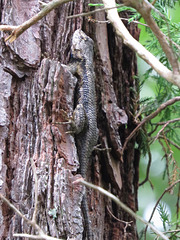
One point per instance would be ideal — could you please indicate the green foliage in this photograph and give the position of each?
(143, 143)
(163, 212)
(163, 91)
(169, 28)
(168, 225)
(133, 14)
(168, 3)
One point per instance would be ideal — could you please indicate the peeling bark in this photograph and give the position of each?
(35, 91)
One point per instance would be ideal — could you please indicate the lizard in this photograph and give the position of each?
(84, 122)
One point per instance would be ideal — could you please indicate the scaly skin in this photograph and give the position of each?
(85, 119)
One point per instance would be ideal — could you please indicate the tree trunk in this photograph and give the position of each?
(36, 90)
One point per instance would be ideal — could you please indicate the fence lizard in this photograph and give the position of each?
(84, 116)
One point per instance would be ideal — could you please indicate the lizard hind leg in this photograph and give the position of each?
(79, 119)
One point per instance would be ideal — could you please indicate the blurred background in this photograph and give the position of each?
(147, 196)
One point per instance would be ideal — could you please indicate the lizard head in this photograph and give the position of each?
(82, 46)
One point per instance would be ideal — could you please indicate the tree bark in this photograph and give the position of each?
(35, 91)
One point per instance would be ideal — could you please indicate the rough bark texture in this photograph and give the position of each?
(34, 89)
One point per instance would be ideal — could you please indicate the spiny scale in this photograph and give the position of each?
(85, 112)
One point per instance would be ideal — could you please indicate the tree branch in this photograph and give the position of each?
(16, 31)
(106, 21)
(144, 8)
(149, 117)
(171, 142)
(165, 191)
(128, 40)
(41, 234)
(148, 169)
(94, 11)
(165, 125)
(14, 208)
(120, 29)
(45, 237)
(170, 121)
(123, 206)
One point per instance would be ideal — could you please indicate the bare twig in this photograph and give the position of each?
(94, 11)
(127, 224)
(166, 158)
(148, 169)
(103, 9)
(125, 19)
(117, 219)
(35, 190)
(170, 121)
(178, 206)
(175, 44)
(165, 125)
(173, 231)
(145, 11)
(41, 234)
(123, 206)
(18, 30)
(173, 162)
(149, 117)
(45, 237)
(43, 4)
(152, 7)
(134, 21)
(122, 31)
(33, 224)
(14, 208)
(153, 2)
(165, 191)
(173, 77)
(171, 142)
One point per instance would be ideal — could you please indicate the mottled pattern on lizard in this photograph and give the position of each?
(85, 120)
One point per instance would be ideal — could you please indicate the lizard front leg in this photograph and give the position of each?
(79, 121)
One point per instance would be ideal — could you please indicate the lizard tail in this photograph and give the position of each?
(87, 222)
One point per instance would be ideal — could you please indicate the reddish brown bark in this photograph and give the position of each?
(34, 90)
